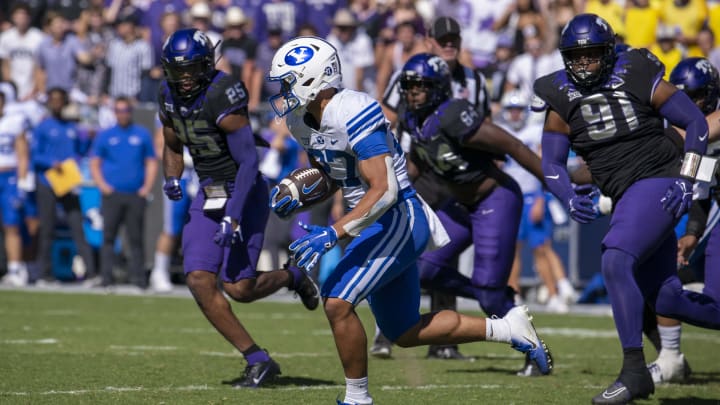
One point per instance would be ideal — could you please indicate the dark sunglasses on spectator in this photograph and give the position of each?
(123, 110)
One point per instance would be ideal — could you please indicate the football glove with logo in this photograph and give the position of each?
(678, 198)
(225, 234)
(308, 250)
(285, 207)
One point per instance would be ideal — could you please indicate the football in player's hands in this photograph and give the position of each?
(301, 189)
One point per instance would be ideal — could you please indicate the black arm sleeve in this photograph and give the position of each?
(697, 219)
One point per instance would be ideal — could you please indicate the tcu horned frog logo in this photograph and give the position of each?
(299, 55)
(200, 37)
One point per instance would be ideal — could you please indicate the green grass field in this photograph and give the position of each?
(58, 348)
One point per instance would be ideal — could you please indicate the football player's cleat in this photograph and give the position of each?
(257, 374)
(669, 367)
(629, 386)
(308, 292)
(382, 347)
(160, 281)
(447, 353)
(524, 338)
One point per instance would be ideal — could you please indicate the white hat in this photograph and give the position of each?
(344, 18)
(200, 10)
(234, 16)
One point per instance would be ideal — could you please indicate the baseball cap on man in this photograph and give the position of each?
(444, 26)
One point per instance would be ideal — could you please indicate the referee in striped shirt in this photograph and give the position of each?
(129, 57)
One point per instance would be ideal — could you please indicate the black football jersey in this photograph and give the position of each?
(614, 128)
(437, 142)
(196, 124)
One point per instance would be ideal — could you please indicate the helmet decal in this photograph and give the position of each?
(298, 56)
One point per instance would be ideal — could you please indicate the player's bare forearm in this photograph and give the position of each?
(173, 164)
(23, 156)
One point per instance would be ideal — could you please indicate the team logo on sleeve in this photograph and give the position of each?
(299, 55)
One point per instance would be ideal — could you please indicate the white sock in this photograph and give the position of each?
(564, 287)
(356, 391)
(670, 338)
(497, 330)
(162, 262)
(15, 267)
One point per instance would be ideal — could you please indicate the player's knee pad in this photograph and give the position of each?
(495, 301)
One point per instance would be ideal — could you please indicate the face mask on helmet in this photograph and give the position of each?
(303, 67)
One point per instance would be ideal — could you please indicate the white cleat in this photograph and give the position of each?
(669, 368)
(524, 338)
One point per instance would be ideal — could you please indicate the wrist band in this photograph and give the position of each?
(690, 165)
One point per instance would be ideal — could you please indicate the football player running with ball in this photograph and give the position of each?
(206, 110)
(385, 227)
(609, 108)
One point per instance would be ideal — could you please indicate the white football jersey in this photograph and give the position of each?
(349, 118)
(11, 126)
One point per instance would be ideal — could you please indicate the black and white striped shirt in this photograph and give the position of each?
(127, 62)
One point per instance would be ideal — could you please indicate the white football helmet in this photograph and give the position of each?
(515, 105)
(304, 66)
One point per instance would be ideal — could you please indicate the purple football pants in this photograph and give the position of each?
(639, 264)
(238, 261)
(491, 226)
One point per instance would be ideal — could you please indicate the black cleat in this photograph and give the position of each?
(629, 386)
(309, 293)
(447, 353)
(257, 374)
(382, 347)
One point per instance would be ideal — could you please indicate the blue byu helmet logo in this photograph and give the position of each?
(299, 55)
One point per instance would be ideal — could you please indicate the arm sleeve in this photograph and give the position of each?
(242, 149)
(555, 149)
(682, 112)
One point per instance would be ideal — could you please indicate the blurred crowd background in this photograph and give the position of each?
(96, 52)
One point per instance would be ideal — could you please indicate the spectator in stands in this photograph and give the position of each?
(169, 23)
(321, 13)
(520, 17)
(58, 57)
(200, 18)
(55, 140)
(534, 63)
(18, 46)
(259, 89)
(705, 44)
(481, 39)
(354, 49)
(666, 48)
(282, 14)
(641, 22)
(124, 166)
(238, 48)
(152, 26)
(407, 43)
(496, 72)
(94, 35)
(687, 17)
(129, 58)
